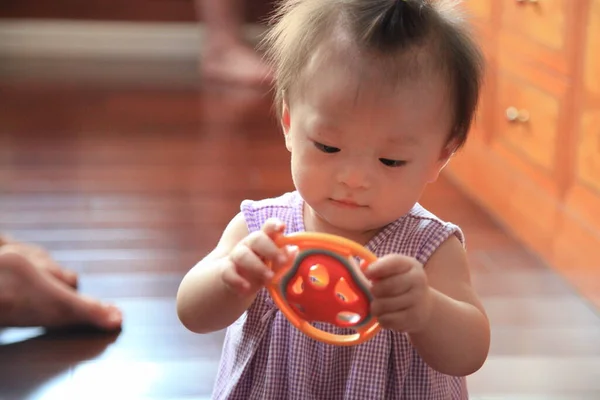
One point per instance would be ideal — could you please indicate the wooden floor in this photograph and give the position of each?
(130, 181)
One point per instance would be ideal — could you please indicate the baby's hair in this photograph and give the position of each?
(384, 30)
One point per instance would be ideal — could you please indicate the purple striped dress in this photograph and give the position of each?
(265, 357)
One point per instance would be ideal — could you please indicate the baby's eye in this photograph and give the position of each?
(392, 163)
(326, 149)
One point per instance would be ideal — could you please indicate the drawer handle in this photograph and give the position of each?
(528, 1)
(515, 115)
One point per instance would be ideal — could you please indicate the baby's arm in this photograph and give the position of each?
(456, 339)
(217, 290)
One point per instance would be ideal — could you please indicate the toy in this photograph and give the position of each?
(321, 284)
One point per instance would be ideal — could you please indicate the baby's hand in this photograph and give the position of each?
(245, 270)
(402, 295)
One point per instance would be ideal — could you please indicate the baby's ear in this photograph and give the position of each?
(285, 117)
(445, 155)
(449, 149)
(285, 124)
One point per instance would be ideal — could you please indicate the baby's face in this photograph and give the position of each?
(362, 152)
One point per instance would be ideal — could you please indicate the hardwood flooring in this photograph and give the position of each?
(130, 181)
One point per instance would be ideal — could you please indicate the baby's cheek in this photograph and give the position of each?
(311, 174)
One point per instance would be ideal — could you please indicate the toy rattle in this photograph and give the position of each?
(321, 284)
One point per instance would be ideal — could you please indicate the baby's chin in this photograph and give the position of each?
(345, 224)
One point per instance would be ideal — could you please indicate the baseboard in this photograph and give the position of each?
(105, 39)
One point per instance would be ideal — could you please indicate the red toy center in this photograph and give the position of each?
(323, 289)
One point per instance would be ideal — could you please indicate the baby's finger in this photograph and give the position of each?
(358, 271)
(273, 226)
(389, 265)
(287, 253)
(393, 286)
(291, 251)
(265, 248)
(249, 264)
(234, 281)
(391, 305)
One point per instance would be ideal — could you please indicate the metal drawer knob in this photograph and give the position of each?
(515, 115)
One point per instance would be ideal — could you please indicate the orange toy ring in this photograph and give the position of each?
(320, 284)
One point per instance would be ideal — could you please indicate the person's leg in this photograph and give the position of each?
(35, 291)
(226, 57)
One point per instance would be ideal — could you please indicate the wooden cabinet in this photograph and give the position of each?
(588, 154)
(542, 22)
(578, 240)
(592, 53)
(481, 13)
(527, 120)
(481, 10)
(540, 31)
(538, 169)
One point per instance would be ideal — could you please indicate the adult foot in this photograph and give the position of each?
(235, 64)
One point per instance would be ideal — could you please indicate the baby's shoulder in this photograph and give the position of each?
(286, 200)
(286, 208)
(419, 233)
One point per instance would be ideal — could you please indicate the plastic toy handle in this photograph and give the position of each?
(337, 244)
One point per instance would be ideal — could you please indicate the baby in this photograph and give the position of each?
(374, 97)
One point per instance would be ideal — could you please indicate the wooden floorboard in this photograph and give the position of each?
(130, 184)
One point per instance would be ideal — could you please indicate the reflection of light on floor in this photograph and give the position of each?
(116, 380)
(537, 376)
(15, 335)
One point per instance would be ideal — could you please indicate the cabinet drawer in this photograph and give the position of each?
(541, 21)
(588, 154)
(592, 55)
(479, 9)
(540, 31)
(526, 120)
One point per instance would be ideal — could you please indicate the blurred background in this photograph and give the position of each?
(128, 138)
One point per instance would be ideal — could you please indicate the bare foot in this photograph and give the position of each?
(235, 64)
(44, 295)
